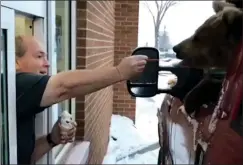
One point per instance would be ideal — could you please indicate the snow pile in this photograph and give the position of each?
(124, 140)
(147, 158)
(146, 119)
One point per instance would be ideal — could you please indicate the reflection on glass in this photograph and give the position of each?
(4, 108)
(63, 43)
(63, 50)
(144, 91)
(166, 80)
(2, 50)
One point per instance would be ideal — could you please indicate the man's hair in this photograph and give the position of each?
(20, 47)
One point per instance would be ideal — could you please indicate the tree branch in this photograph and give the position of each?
(157, 5)
(164, 8)
(161, 6)
(147, 5)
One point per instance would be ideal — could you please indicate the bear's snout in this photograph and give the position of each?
(176, 49)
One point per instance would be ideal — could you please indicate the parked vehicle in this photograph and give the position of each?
(212, 133)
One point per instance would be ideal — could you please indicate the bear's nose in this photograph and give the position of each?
(176, 49)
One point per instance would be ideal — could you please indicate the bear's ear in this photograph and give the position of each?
(233, 17)
(237, 3)
(220, 5)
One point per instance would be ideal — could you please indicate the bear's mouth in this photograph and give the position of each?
(195, 62)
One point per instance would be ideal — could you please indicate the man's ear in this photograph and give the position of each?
(233, 17)
(17, 63)
(220, 5)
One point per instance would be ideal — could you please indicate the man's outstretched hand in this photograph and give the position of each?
(132, 66)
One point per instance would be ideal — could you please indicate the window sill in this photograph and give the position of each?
(62, 154)
(75, 153)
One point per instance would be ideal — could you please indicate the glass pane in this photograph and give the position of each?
(63, 50)
(63, 43)
(4, 107)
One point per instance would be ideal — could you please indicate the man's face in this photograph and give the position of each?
(35, 58)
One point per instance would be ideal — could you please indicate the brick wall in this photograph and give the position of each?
(95, 49)
(104, 28)
(126, 35)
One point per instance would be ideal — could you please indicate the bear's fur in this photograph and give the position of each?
(219, 5)
(214, 43)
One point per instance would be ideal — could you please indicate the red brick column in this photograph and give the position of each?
(104, 28)
(126, 36)
(95, 49)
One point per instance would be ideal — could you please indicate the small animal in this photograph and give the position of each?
(67, 121)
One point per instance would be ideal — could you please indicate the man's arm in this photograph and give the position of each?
(66, 85)
(70, 84)
(41, 148)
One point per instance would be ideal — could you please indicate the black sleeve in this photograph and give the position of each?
(29, 91)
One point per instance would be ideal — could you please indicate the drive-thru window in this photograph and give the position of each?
(51, 23)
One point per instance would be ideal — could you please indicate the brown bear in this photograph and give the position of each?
(214, 43)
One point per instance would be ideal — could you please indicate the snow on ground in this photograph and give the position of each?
(126, 138)
(146, 119)
(147, 158)
(146, 111)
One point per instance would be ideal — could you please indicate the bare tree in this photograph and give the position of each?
(161, 8)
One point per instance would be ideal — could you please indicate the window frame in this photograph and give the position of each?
(37, 9)
(52, 113)
(8, 24)
(44, 29)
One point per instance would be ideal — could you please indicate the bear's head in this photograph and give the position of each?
(220, 5)
(213, 44)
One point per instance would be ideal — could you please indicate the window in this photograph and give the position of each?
(63, 53)
(8, 139)
(63, 43)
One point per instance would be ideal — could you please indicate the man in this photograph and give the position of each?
(36, 91)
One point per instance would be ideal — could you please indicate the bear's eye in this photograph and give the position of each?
(196, 38)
